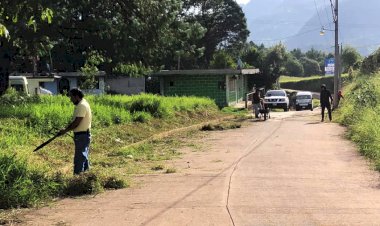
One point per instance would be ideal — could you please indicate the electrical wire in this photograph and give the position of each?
(319, 17)
(327, 14)
(333, 10)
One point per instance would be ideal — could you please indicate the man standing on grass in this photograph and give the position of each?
(325, 98)
(81, 126)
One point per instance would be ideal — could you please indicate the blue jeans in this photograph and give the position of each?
(82, 148)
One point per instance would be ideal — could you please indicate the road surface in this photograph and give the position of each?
(289, 170)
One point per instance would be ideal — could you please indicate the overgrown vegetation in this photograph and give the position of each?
(27, 178)
(360, 111)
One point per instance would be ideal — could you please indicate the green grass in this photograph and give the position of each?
(359, 111)
(285, 79)
(27, 178)
(316, 103)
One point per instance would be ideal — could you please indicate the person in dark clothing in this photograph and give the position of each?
(325, 98)
(256, 102)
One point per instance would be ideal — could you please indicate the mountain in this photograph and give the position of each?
(297, 24)
(272, 20)
(359, 26)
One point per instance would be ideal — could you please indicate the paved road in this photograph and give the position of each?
(290, 170)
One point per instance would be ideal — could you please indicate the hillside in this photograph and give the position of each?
(297, 24)
(358, 28)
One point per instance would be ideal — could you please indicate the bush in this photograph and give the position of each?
(294, 67)
(14, 98)
(311, 67)
(83, 184)
(22, 186)
(141, 117)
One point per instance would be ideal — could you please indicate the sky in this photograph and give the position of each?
(243, 2)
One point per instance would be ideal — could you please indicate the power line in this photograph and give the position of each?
(319, 17)
(327, 14)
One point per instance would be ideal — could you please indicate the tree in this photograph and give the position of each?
(224, 21)
(293, 67)
(297, 53)
(311, 67)
(316, 55)
(350, 58)
(274, 63)
(253, 55)
(222, 60)
(19, 19)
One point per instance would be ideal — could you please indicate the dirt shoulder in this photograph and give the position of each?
(289, 170)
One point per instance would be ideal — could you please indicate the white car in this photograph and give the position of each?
(304, 100)
(276, 99)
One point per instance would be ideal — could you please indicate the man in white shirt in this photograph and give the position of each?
(81, 126)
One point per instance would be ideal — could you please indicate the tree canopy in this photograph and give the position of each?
(155, 34)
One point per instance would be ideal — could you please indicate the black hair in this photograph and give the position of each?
(76, 92)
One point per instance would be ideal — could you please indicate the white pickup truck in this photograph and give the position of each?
(19, 83)
(276, 99)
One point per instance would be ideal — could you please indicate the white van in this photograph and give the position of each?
(19, 83)
(304, 100)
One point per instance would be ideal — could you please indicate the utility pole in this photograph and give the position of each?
(337, 57)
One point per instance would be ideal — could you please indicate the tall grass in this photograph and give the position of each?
(27, 178)
(360, 113)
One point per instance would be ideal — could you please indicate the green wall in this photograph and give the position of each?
(212, 86)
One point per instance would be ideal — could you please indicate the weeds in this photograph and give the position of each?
(158, 167)
(360, 113)
(170, 170)
(221, 126)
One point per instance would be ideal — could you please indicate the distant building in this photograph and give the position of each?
(226, 86)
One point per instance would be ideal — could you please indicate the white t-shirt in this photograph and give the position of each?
(83, 110)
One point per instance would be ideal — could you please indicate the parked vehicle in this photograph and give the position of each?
(19, 83)
(304, 100)
(276, 99)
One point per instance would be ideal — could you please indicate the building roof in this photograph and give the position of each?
(79, 74)
(209, 72)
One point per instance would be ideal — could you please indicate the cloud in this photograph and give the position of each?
(243, 2)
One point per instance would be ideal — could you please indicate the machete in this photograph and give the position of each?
(47, 142)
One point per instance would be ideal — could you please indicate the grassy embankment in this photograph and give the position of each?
(312, 84)
(360, 111)
(28, 178)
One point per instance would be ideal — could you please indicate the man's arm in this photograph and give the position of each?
(74, 124)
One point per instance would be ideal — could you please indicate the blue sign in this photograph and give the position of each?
(329, 66)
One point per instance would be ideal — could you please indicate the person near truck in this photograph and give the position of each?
(81, 125)
(325, 98)
(256, 103)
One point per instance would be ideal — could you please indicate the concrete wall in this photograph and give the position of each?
(125, 85)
